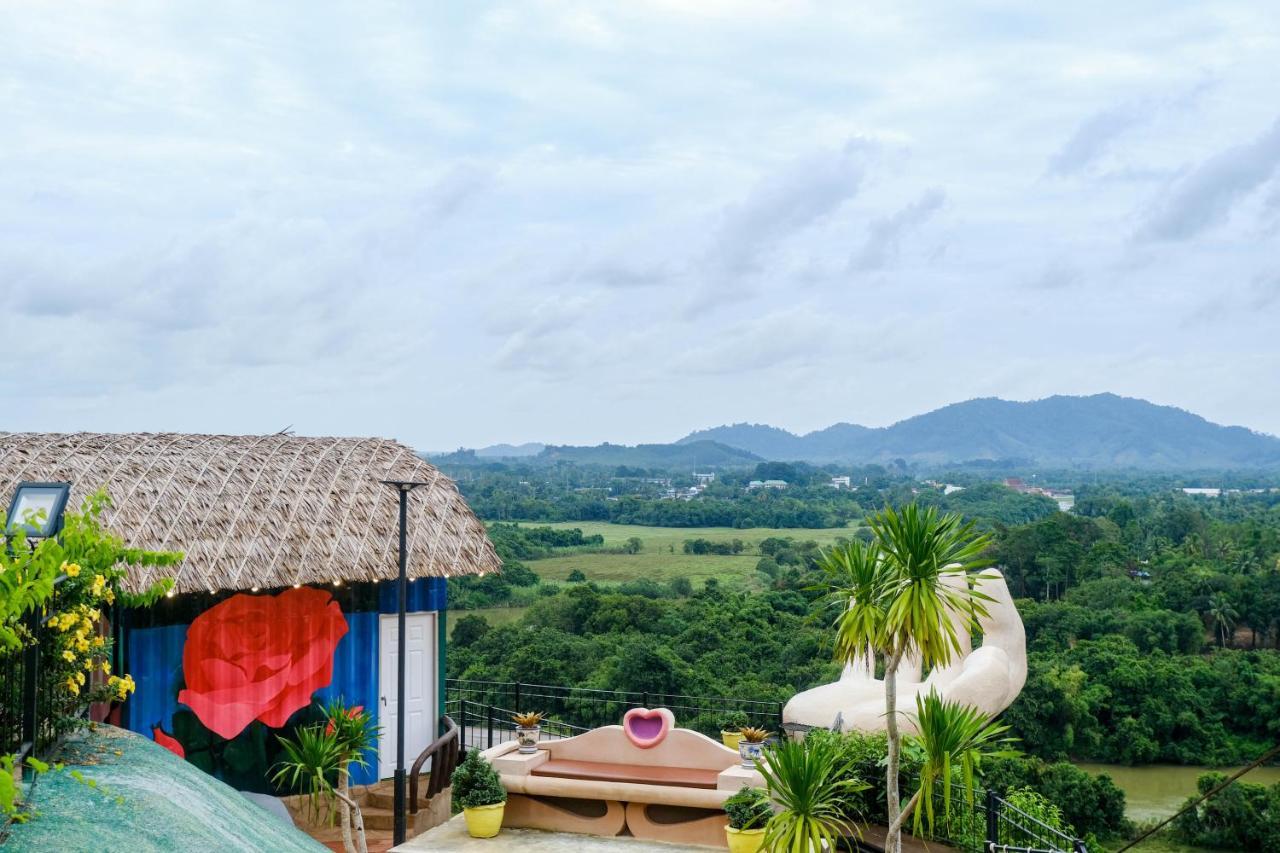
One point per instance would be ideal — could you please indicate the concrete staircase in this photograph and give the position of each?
(376, 803)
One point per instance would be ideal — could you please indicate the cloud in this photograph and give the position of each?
(785, 203)
(885, 237)
(1094, 136)
(1206, 196)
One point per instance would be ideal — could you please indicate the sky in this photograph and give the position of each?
(465, 223)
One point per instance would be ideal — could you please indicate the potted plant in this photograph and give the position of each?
(319, 755)
(812, 783)
(751, 745)
(477, 788)
(731, 728)
(528, 730)
(748, 811)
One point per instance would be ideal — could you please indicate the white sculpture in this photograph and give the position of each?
(988, 678)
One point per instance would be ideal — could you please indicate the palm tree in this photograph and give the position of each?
(895, 598)
(1224, 616)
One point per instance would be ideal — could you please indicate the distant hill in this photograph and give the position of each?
(693, 454)
(689, 454)
(510, 451)
(1099, 431)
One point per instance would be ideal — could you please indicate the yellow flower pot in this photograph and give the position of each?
(745, 840)
(731, 739)
(484, 821)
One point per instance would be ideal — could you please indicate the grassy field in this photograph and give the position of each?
(616, 568)
(663, 539)
(662, 557)
(495, 616)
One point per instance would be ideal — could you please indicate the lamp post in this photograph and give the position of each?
(404, 487)
(36, 508)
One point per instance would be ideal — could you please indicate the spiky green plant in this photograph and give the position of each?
(953, 737)
(811, 783)
(317, 763)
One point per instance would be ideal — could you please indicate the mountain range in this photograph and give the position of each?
(1096, 432)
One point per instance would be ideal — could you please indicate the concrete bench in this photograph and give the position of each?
(602, 783)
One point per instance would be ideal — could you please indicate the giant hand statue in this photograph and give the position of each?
(988, 678)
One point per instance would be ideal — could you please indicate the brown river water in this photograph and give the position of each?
(1157, 790)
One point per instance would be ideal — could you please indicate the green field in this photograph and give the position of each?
(662, 557)
(495, 616)
(663, 538)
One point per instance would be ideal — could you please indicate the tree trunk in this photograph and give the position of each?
(344, 785)
(358, 818)
(892, 842)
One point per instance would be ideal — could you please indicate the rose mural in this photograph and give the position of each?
(249, 664)
(260, 657)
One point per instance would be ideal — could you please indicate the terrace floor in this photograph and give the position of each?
(451, 837)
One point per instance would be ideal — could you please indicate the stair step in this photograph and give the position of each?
(381, 798)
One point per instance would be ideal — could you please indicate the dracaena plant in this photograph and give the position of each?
(813, 784)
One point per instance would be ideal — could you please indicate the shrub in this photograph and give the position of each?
(476, 783)
(577, 576)
(748, 809)
(733, 721)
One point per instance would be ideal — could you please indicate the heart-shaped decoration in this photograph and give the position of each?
(648, 727)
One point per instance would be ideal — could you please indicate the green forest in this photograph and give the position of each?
(1152, 619)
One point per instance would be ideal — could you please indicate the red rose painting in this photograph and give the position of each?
(259, 657)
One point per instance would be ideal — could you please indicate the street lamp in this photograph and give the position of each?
(404, 487)
(37, 508)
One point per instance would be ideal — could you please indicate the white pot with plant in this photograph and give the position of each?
(478, 789)
(751, 746)
(528, 731)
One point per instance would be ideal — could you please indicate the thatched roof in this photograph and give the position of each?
(260, 510)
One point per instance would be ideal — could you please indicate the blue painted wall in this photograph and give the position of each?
(154, 659)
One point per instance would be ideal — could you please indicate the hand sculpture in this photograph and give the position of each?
(988, 678)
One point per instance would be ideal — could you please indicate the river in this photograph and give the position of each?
(1157, 790)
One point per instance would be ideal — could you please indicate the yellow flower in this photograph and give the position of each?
(106, 668)
(68, 655)
(98, 583)
(88, 664)
(99, 642)
(94, 615)
(73, 687)
(80, 677)
(110, 596)
(71, 569)
(82, 645)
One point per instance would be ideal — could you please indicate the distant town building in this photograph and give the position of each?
(767, 484)
(705, 479)
(1202, 493)
(1066, 500)
(841, 483)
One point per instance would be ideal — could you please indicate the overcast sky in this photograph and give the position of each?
(457, 224)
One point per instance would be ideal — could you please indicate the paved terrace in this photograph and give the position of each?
(451, 837)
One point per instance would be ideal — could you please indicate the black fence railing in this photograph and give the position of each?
(982, 821)
(575, 709)
(31, 718)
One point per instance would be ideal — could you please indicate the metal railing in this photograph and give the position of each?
(983, 820)
(570, 710)
(27, 696)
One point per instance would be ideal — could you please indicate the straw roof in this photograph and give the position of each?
(260, 510)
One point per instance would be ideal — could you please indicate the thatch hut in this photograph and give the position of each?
(282, 598)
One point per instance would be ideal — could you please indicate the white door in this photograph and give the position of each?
(419, 688)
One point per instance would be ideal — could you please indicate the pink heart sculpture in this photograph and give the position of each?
(647, 727)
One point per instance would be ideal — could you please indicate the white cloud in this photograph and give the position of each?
(460, 225)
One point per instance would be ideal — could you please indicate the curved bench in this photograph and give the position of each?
(602, 783)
